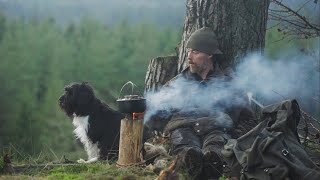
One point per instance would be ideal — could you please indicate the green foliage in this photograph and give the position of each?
(38, 58)
(278, 43)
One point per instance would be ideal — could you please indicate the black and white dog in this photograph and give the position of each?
(96, 124)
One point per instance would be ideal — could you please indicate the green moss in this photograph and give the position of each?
(102, 170)
(70, 169)
(65, 176)
(80, 171)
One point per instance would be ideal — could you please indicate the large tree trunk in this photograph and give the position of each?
(239, 25)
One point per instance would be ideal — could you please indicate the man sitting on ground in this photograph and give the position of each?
(196, 135)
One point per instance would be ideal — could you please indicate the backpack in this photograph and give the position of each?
(272, 150)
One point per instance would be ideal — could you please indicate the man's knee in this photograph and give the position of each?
(216, 138)
(183, 138)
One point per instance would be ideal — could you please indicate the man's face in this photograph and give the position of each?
(198, 61)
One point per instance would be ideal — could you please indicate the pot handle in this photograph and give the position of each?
(132, 86)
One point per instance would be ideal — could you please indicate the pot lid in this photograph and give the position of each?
(131, 97)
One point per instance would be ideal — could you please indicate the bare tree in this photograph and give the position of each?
(295, 23)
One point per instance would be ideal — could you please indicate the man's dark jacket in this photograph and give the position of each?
(241, 115)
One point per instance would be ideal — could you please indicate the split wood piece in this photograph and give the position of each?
(130, 144)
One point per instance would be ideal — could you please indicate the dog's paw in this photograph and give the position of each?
(92, 160)
(81, 161)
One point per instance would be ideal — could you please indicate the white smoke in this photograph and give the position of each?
(184, 95)
(272, 79)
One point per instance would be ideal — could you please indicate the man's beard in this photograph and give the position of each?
(194, 68)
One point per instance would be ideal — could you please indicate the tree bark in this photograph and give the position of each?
(240, 26)
(130, 142)
(160, 70)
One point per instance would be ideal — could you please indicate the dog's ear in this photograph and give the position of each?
(83, 97)
(85, 94)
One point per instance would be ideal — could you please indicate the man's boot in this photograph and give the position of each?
(192, 160)
(212, 165)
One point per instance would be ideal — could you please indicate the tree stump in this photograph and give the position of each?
(160, 70)
(130, 142)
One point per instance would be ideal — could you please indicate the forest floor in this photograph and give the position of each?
(99, 170)
(64, 171)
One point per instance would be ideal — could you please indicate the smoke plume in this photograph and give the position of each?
(273, 80)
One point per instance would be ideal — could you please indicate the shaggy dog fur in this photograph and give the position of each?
(96, 124)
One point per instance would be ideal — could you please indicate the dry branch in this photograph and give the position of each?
(293, 22)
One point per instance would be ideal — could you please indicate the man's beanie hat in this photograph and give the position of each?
(204, 40)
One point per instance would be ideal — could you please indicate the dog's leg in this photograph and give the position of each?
(92, 160)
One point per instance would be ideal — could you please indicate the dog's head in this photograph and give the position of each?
(77, 99)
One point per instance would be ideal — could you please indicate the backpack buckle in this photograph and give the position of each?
(285, 152)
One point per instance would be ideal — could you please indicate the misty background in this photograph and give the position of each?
(162, 13)
(45, 45)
